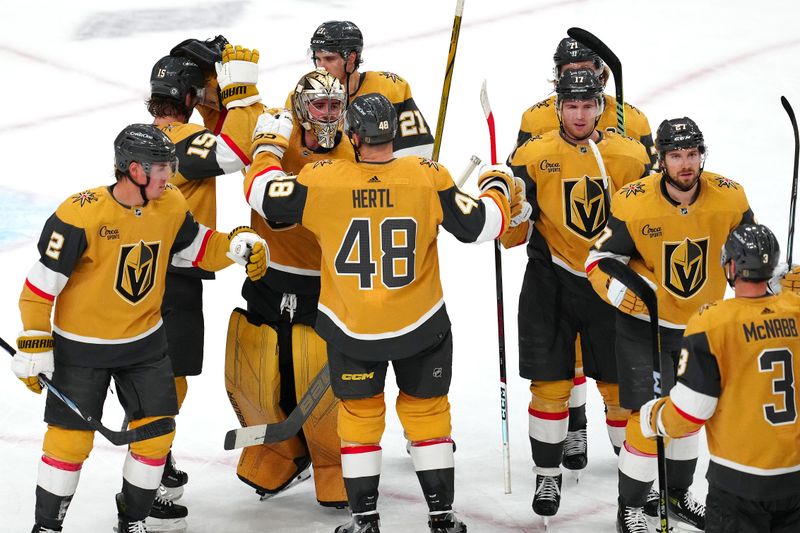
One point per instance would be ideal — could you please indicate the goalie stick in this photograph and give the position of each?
(793, 198)
(625, 275)
(501, 333)
(159, 427)
(279, 431)
(613, 62)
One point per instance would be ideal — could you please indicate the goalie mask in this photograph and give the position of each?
(754, 252)
(319, 102)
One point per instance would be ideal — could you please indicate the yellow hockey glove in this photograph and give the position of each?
(237, 75)
(250, 251)
(521, 210)
(35, 356)
(624, 299)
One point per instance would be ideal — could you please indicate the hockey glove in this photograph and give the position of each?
(498, 177)
(35, 356)
(272, 132)
(250, 251)
(237, 75)
(650, 419)
(785, 279)
(521, 210)
(624, 299)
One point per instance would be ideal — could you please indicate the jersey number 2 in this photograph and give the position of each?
(398, 249)
(783, 385)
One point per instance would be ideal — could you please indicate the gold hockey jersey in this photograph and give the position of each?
(541, 118)
(570, 200)
(414, 136)
(294, 252)
(736, 374)
(377, 226)
(676, 247)
(103, 266)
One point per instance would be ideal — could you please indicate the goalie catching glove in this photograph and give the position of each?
(35, 356)
(237, 75)
(250, 251)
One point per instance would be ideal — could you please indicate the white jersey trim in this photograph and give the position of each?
(695, 404)
(46, 279)
(755, 470)
(493, 223)
(366, 464)
(97, 340)
(423, 150)
(433, 456)
(560, 262)
(294, 270)
(186, 257)
(258, 189)
(378, 336)
(227, 158)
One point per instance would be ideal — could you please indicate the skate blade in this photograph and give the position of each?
(172, 494)
(165, 525)
(302, 476)
(546, 521)
(576, 475)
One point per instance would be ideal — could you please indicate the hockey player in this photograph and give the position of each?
(336, 46)
(569, 189)
(735, 372)
(282, 308)
(178, 86)
(665, 226)
(104, 256)
(381, 300)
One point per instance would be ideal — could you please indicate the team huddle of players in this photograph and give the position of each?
(342, 269)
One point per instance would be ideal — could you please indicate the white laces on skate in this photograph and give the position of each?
(692, 505)
(136, 527)
(548, 489)
(634, 521)
(575, 443)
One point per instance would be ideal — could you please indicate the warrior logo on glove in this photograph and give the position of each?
(685, 266)
(136, 270)
(585, 206)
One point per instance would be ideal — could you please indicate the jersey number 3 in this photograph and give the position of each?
(782, 385)
(398, 249)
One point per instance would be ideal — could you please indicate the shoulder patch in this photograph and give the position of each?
(322, 163)
(544, 103)
(633, 188)
(170, 186)
(392, 76)
(633, 108)
(85, 197)
(726, 182)
(429, 162)
(705, 307)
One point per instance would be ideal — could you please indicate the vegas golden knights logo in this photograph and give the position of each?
(585, 206)
(136, 270)
(685, 266)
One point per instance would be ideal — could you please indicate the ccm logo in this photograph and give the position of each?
(357, 377)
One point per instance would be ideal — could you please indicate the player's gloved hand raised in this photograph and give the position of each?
(785, 279)
(650, 419)
(624, 299)
(521, 210)
(498, 177)
(249, 250)
(272, 132)
(34, 357)
(237, 75)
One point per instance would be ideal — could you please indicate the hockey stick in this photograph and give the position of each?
(156, 428)
(644, 292)
(793, 200)
(474, 161)
(448, 78)
(613, 62)
(280, 431)
(501, 333)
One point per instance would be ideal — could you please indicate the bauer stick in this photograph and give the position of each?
(793, 199)
(448, 78)
(644, 292)
(501, 333)
(156, 428)
(613, 62)
(279, 431)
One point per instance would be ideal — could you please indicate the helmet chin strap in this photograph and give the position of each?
(142, 188)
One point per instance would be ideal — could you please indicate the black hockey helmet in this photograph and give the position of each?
(145, 144)
(571, 51)
(754, 251)
(173, 77)
(372, 117)
(579, 84)
(340, 36)
(202, 53)
(678, 134)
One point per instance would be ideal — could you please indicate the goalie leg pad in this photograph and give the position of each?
(424, 419)
(362, 420)
(309, 353)
(252, 381)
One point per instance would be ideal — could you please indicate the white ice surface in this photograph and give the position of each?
(66, 95)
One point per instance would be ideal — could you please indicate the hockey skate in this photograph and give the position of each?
(125, 526)
(41, 529)
(682, 507)
(362, 523)
(547, 497)
(172, 480)
(166, 516)
(445, 522)
(575, 446)
(631, 520)
(299, 478)
(651, 505)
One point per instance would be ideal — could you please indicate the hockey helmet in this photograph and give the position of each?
(754, 251)
(372, 117)
(145, 144)
(571, 51)
(679, 134)
(204, 54)
(173, 77)
(579, 84)
(319, 103)
(340, 36)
